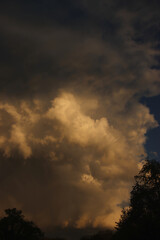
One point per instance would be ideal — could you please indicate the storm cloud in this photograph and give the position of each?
(72, 128)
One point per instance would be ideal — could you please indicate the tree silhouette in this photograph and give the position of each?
(101, 235)
(141, 220)
(14, 227)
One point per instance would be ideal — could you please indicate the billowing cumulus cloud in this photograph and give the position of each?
(72, 128)
(91, 161)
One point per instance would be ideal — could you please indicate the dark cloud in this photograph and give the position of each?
(39, 57)
(72, 127)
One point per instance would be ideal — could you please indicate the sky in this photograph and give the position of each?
(79, 107)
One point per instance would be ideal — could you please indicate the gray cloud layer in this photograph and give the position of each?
(72, 128)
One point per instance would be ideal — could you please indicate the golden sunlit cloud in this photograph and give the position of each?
(72, 124)
(101, 167)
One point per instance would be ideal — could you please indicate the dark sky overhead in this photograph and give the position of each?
(79, 107)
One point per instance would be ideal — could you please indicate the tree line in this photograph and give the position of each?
(139, 221)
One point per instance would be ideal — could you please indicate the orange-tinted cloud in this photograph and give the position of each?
(92, 160)
(72, 128)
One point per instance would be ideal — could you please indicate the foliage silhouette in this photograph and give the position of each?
(141, 220)
(14, 227)
(101, 235)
